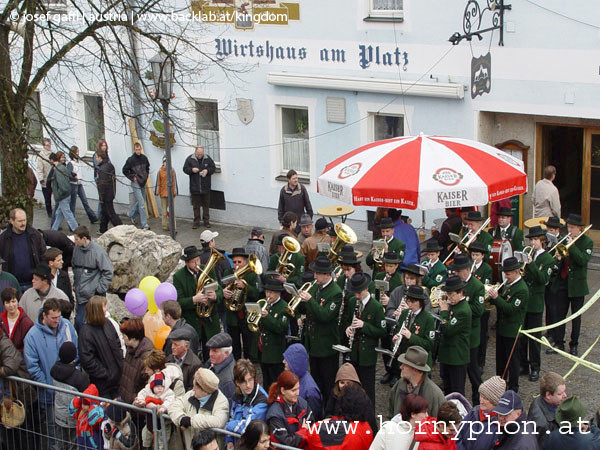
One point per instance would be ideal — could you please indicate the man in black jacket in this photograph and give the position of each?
(200, 167)
(62, 242)
(21, 247)
(60, 278)
(106, 190)
(137, 168)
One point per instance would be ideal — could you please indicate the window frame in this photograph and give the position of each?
(379, 114)
(90, 152)
(195, 102)
(392, 15)
(282, 169)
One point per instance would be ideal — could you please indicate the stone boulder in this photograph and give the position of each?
(137, 253)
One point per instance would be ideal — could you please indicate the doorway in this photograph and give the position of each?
(562, 147)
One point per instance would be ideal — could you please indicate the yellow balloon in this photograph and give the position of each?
(149, 285)
(161, 336)
(152, 323)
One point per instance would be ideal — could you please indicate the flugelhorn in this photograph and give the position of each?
(437, 294)
(204, 280)
(285, 268)
(254, 317)
(379, 245)
(236, 302)
(296, 299)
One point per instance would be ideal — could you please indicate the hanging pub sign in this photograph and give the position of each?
(481, 75)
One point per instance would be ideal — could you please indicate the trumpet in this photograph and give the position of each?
(296, 299)
(437, 294)
(254, 317)
(345, 235)
(236, 302)
(562, 249)
(205, 282)
(489, 287)
(285, 268)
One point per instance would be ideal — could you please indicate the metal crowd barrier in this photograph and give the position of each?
(40, 431)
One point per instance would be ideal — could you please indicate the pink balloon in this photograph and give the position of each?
(136, 302)
(165, 291)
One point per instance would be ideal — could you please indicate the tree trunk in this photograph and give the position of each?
(13, 152)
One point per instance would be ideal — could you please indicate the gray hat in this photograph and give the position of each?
(416, 357)
(219, 340)
(305, 220)
(181, 334)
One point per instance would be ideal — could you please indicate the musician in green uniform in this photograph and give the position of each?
(297, 259)
(237, 292)
(437, 270)
(505, 230)
(475, 294)
(571, 281)
(271, 343)
(511, 303)
(537, 275)
(321, 304)
(455, 336)
(367, 325)
(553, 226)
(392, 244)
(185, 282)
(483, 272)
(415, 326)
(474, 221)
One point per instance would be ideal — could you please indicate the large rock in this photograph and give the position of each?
(138, 253)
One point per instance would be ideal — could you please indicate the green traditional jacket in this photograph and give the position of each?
(185, 283)
(456, 331)
(367, 338)
(579, 256)
(346, 296)
(487, 240)
(272, 333)
(321, 329)
(297, 260)
(395, 245)
(422, 333)
(537, 276)
(437, 274)
(233, 318)
(513, 234)
(512, 306)
(475, 294)
(484, 273)
(394, 281)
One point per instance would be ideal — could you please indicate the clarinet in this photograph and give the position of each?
(399, 340)
(340, 314)
(356, 315)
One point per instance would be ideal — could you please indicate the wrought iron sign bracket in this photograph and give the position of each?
(473, 20)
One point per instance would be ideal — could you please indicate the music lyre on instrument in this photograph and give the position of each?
(255, 313)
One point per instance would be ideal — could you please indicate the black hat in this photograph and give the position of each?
(386, 222)
(280, 238)
(321, 265)
(190, 252)
(181, 334)
(359, 282)
(348, 258)
(453, 284)
(67, 352)
(432, 246)
(115, 413)
(475, 216)
(239, 251)
(331, 232)
(272, 284)
(219, 340)
(43, 271)
(536, 231)
(466, 209)
(412, 268)
(256, 231)
(391, 258)
(347, 249)
(461, 261)
(511, 263)
(575, 219)
(553, 222)
(477, 247)
(305, 220)
(307, 277)
(321, 224)
(504, 211)
(416, 292)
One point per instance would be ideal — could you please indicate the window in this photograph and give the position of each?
(387, 126)
(35, 130)
(386, 9)
(94, 120)
(207, 128)
(294, 127)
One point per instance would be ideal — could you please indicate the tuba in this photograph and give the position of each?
(254, 317)
(296, 300)
(205, 281)
(345, 235)
(236, 302)
(285, 268)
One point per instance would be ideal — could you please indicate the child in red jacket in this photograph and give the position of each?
(89, 414)
(438, 434)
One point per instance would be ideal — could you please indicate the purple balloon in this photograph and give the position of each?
(136, 302)
(165, 291)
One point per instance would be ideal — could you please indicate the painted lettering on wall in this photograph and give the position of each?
(368, 56)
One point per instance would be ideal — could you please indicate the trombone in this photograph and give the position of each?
(463, 246)
(562, 249)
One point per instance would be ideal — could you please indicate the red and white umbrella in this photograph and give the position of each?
(423, 172)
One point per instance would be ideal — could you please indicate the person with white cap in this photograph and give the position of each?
(201, 408)
(207, 242)
(515, 432)
(478, 433)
